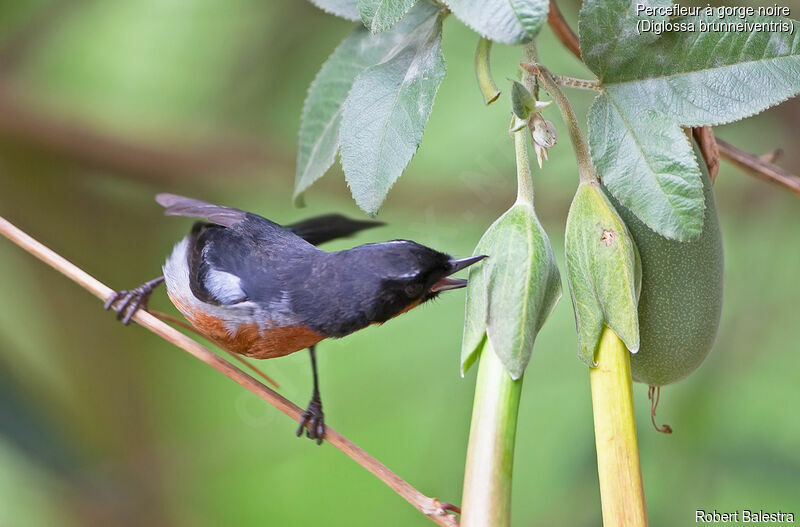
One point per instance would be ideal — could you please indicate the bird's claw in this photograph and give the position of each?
(127, 302)
(313, 421)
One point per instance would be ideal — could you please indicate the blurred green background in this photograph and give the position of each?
(104, 104)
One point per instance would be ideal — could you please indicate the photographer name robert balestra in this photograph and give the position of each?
(743, 516)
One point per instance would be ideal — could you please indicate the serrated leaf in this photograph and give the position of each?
(513, 292)
(386, 112)
(712, 78)
(522, 102)
(606, 29)
(343, 8)
(380, 15)
(509, 22)
(604, 271)
(646, 161)
(653, 84)
(532, 14)
(318, 140)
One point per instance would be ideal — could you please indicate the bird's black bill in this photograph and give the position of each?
(463, 263)
(447, 283)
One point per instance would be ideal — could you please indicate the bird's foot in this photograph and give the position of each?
(313, 421)
(127, 302)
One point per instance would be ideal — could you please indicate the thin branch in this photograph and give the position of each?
(704, 135)
(758, 167)
(773, 156)
(431, 507)
(753, 165)
(562, 30)
(581, 84)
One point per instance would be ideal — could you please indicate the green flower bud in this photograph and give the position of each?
(512, 292)
(604, 271)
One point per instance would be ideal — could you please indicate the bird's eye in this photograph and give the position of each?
(413, 290)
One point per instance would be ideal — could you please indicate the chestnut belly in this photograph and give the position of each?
(248, 339)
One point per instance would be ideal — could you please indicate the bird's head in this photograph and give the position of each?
(402, 274)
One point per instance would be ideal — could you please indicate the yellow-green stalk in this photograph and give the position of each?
(486, 499)
(618, 467)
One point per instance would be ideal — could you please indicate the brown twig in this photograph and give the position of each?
(562, 30)
(431, 507)
(707, 142)
(760, 168)
(772, 156)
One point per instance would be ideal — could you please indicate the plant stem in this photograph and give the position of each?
(573, 82)
(486, 499)
(585, 168)
(618, 467)
(529, 80)
(483, 71)
(524, 179)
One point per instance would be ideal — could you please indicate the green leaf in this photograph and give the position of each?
(511, 294)
(386, 112)
(653, 84)
(343, 8)
(604, 271)
(320, 124)
(522, 102)
(608, 31)
(532, 14)
(646, 161)
(709, 77)
(380, 15)
(506, 21)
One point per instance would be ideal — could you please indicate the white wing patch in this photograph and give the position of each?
(225, 287)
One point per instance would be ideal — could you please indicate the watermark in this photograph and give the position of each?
(712, 19)
(743, 516)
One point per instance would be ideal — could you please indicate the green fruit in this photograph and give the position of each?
(681, 298)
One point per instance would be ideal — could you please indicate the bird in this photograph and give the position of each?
(263, 290)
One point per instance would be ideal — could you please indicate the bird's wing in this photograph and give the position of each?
(230, 265)
(321, 229)
(175, 205)
(316, 230)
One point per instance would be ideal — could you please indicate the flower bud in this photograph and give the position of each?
(544, 135)
(512, 292)
(604, 271)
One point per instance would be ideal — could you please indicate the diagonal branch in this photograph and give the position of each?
(712, 147)
(431, 507)
(709, 147)
(758, 167)
(562, 30)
